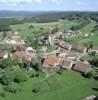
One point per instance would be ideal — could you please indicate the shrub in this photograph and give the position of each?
(2, 94)
(92, 53)
(60, 71)
(31, 27)
(96, 98)
(36, 65)
(10, 89)
(6, 63)
(5, 28)
(20, 76)
(35, 74)
(7, 77)
(96, 78)
(36, 90)
(89, 75)
(94, 61)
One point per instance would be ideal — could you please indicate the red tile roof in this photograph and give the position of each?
(66, 64)
(79, 48)
(51, 60)
(95, 48)
(63, 45)
(16, 38)
(54, 60)
(82, 67)
(61, 50)
(22, 55)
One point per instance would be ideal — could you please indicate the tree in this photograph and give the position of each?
(93, 53)
(31, 26)
(94, 61)
(36, 90)
(54, 30)
(4, 28)
(2, 93)
(16, 61)
(82, 22)
(36, 64)
(18, 48)
(10, 89)
(41, 28)
(7, 77)
(6, 63)
(89, 44)
(4, 34)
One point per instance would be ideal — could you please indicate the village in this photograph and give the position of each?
(50, 54)
(65, 56)
(48, 49)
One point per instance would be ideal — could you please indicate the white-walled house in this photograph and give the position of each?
(72, 56)
(30, 51)
(3, 54)
(95, 49)
(69, 33)
(15, 39)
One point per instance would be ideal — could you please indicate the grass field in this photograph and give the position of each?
(65, 24)
(87, 29)
(81, 39)
(26, 31)
(68, 86)
(49, 24)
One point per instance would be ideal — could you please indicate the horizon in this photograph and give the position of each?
(49, 5)
(47, 11)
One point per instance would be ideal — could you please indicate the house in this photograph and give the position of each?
(71, 56)
(44, 40)
(91, 97)
(95, 49)
(64, 45)
(3, 54)
(30, 51)
(51, 60)
(55, 61)
(82, 67)
(61, 52)
(79, 48)
(66, 64)
(86, 35)
(69, 33)
(15, 39)
(22, 56)
(52, 63)
(49, 39)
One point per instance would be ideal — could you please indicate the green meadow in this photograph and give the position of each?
(68, 86)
